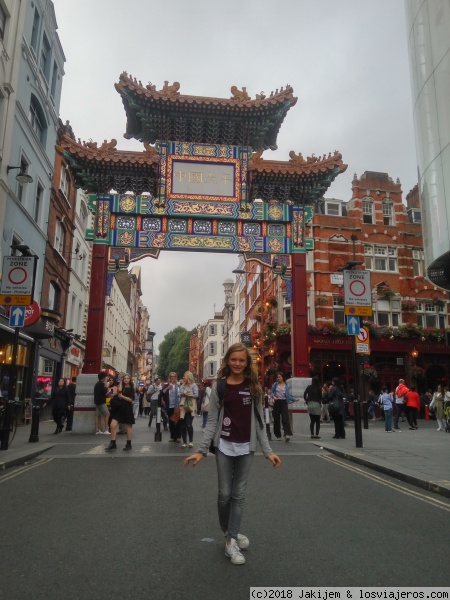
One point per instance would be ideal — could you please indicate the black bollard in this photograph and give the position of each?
(365, 415)
(35, 419)
(358, 430)
(158, 434)
(267, 416)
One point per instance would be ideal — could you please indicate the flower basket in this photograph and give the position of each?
(272, 301)
(321, 300)
(387, 292)
(409, 305)
(438, 301)
(369, 371)
(418, 372)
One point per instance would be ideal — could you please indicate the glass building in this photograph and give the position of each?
(428, 28)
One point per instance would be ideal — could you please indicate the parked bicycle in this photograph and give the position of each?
(13, 418)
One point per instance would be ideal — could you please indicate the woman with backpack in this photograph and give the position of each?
(280, 408)
(234, 425)
(313, 398)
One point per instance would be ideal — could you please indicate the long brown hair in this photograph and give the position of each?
(250, 372)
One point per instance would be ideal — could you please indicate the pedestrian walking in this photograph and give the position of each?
(437, 403)
(72, 387)
(401, 392)
(234, 425)
(313, 398)
(205, 403)
(200, 397)
(122, 412)
(413, 405)
(153, 391)
(59, 400)
(280, 408)
(325, 417)
(336, 396)
(101, 408)
(188, 408)
(171, 399)
(387, 401)
(372, 405)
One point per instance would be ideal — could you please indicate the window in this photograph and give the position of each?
(430, 315)
(83, 216)
(212, 348)
(418, 263)
(333, 208)
(388, 214)
(211, 369)
(387, 313)
(21, 187)
(45, 57)
(54, 296)
(64, 182)
(380, 258)
(287, 314)
(2, 23)
(212, 330)
(59, 237)
(338, 311)
(54, 80)
(37, 119)
(415, 216)
(38, 202)
(367, 209)
(35, 31)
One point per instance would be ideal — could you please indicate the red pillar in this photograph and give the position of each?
(299, 317)
(96, 313)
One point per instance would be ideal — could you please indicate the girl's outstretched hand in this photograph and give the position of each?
(275, 460)
(194, 458)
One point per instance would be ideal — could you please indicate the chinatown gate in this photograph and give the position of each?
(193, 188)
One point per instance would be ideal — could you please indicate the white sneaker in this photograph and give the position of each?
(191, 445)
(243, 541)
(233, 552)
(98, 432)
(106, 432)
(183, 445)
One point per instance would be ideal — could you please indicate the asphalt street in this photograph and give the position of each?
(82, 524)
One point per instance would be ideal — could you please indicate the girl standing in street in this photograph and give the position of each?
(280, 408)
(122, 412)
(234, 424)
(313, 398)
(388, 404)
(336, 393)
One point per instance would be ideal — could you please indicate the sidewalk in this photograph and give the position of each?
(418, 457)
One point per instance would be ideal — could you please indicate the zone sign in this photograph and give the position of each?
(18, 275)
(357, 290)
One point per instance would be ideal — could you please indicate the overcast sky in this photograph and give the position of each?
(347, 62)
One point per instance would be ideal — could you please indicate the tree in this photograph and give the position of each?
(174, 352)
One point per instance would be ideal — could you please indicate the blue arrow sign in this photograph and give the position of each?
(17, 316)
(353, 325)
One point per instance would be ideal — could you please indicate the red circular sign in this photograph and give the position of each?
(32, 314)
(17, 276)
(357, 288)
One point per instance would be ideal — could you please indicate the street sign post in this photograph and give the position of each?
(18, 277)
(363, 341)
(357, 289)
(358, 311)
(17, 316)
(353, 325)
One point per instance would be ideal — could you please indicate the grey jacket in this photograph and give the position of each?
(213, 428)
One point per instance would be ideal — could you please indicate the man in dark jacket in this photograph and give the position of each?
(72, 391)
(101, 408)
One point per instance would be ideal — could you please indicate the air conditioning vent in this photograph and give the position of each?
(399, 362)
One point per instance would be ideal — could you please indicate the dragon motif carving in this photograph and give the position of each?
(239, 94)
(170, 90)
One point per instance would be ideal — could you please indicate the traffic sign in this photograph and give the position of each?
(363, 341)
(17, 316)
(32, 314)
(358, 311)
(357, 289)
(15, 300)
(353, 325)
(18, 275)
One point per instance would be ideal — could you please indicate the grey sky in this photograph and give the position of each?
(347, 62)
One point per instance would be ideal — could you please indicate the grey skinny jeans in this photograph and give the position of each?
(232, 475)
